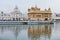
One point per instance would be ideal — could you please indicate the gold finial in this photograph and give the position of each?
(49, 9)
(45, 9)
(28, 9)
(35, 6)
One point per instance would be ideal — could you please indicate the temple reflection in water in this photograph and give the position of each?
(25, 32)
(36, 33)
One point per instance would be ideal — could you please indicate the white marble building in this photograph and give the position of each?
(15, 15)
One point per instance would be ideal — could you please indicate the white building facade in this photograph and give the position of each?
(15, 15)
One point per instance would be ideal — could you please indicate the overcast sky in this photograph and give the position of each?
(23, 5)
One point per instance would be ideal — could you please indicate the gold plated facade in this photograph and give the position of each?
(36, 14)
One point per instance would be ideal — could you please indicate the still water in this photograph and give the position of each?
(30, 32)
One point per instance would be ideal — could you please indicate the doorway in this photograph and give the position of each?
(46, 19)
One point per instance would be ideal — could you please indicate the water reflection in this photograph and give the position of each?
(12, 30)
(25, 32)
(40, 32)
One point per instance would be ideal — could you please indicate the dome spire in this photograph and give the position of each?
(16, 7)
(35, 6)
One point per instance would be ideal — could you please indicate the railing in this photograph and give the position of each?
(27, 21)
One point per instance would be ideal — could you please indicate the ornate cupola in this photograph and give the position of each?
(16, 10)
(16, 14)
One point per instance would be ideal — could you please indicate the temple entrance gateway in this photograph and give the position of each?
(46, 19)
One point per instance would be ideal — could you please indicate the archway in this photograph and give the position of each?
(16, 19)
(46, 19)
(13, 19)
